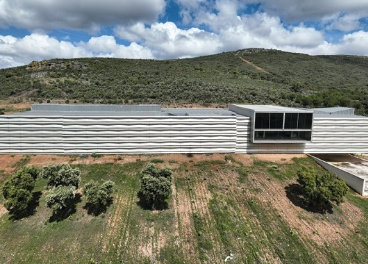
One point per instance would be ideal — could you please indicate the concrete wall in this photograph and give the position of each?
(354, 181)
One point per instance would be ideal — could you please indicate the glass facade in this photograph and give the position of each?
(283, 135)
(298, 120)
(283, 127)
(269, 120)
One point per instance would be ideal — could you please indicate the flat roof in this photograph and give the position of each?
(275, 108)
(333, 109)
(95, 108)
(120, 110)
(156, 110)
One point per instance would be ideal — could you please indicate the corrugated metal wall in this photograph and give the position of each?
(168, 134)
(339, 135)
(77, 135)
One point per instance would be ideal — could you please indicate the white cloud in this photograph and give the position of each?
(82, 14)
(292, 10)
(344, 22)
(106, 46)
(15, 52)
(214, 26)
(165, 40)
(354, 44)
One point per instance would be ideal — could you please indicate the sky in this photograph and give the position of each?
(170, 29)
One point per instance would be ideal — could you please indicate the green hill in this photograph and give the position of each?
(254, 76)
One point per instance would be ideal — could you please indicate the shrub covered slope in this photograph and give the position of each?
(254, 76)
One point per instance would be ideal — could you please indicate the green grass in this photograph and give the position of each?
(22, 162)
(157, 161)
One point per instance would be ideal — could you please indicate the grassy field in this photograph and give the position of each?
(234, 208)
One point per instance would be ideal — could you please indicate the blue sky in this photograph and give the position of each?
(159, 29)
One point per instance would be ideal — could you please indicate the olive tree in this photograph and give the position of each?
(61, 175)
(155, 185)
(99, 196)
(17, 190)
(64, 180)
(322, 188)
(60, 197)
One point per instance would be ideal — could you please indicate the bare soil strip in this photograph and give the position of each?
(255, 66)
(187, 235)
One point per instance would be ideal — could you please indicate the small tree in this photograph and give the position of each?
(17, 191)
(61, 175)
(60, 197)
(155, 185)
(64, 180)
(322, 189)
(98, 196)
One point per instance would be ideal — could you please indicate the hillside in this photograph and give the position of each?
(255, 76)
(238, 208)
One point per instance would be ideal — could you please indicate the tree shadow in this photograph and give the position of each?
(295, 194)
(151, 205)
(70, 209)
(31, 209)
(97, 209)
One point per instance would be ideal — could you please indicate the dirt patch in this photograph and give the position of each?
(2, 210)
(41, 160)
(7, 163)
(244, 159)
(278, 158)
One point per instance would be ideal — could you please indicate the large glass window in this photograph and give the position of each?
(298, 121)
(305, 121)
(269, 120)
(283, 135)
(276, 120)
(262, 120)
(291, 121)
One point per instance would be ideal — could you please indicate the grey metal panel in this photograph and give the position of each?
(271, 109)
(205, 131)
(93, 108)
(155, 134)
(334, 111)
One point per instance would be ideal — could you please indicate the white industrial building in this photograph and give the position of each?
(146, 129)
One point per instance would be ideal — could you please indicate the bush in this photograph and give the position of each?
(98, 196)
(61, 175)
(96, 155)
(155, 186)
(151, 170)
(17, 190)
(60, 197)
(322, 189)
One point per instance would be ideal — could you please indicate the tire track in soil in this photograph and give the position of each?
(145, 239)
(186, 232)
(117, 227)
(235, 191)
(202, 196)
(124, 238)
